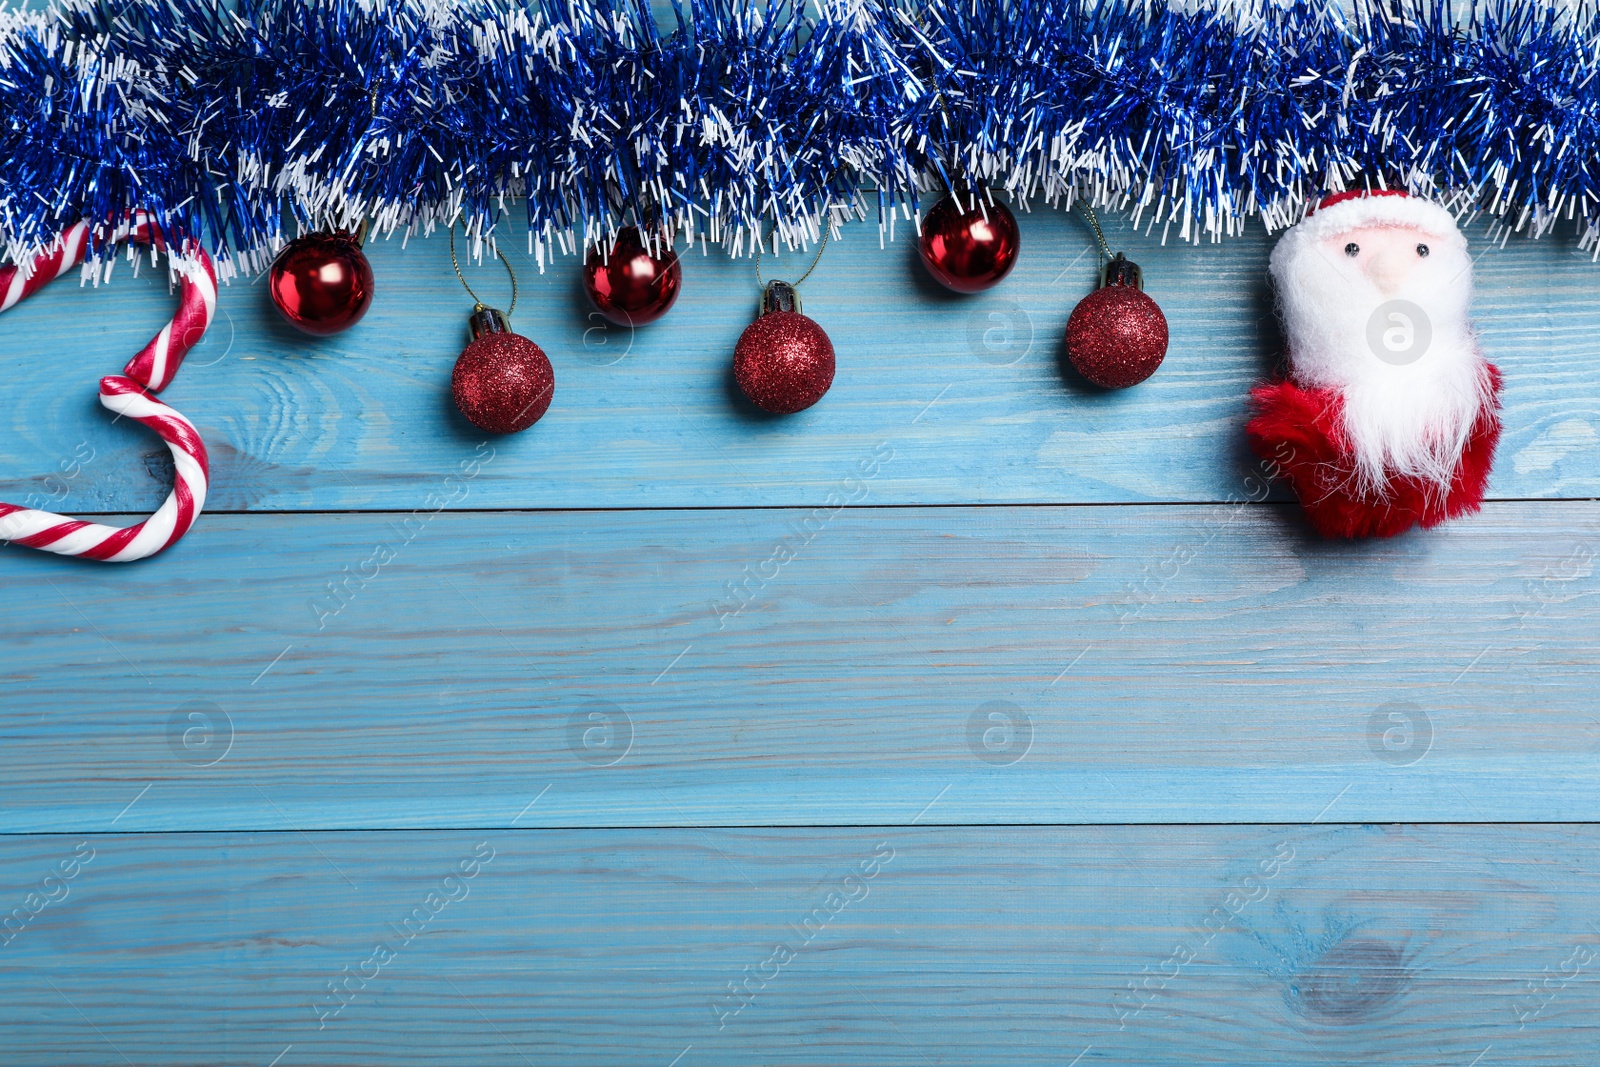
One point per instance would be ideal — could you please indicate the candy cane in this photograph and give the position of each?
(126, 394)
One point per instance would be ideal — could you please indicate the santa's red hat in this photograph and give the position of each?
(1353, 208)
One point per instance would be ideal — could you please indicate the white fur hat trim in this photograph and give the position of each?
(1379, 209)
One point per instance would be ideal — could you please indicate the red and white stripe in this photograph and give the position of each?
(67, 252)
(158, 362)
(126, 394)
(74, 537)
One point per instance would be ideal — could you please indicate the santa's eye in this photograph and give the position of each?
(1422, 250)
(1352, 250)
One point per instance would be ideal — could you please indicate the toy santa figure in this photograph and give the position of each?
(1388, 415)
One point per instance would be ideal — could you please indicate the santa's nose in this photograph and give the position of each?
(1389, 269)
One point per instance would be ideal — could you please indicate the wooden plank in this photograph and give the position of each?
(969, 390)
(1054, 665)
(1106, 945)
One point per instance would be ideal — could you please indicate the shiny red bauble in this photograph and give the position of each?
(633, 283)
(503, 382)
(322, 283)
(971, 244)
(1117, 335)
(783, 361)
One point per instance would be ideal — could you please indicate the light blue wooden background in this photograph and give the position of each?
(1264, 799)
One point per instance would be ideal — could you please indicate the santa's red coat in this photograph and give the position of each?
(1301, 433)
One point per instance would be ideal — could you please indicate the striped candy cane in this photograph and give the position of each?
(128, 394)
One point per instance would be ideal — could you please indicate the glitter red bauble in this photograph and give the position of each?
(631, 285)
(1117, 336)
(503, 382)
(783, 362)
(969, 246)
(322, 283)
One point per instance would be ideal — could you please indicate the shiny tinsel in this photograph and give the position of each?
(721, 120)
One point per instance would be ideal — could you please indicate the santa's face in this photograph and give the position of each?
(1377, 309)
(1394, 260)
(1375, 300)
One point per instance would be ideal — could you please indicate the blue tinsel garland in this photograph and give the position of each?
(729, 116)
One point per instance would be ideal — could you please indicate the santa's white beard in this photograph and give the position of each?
(1410, 420)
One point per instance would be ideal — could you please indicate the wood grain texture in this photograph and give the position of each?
(1123, 945)
(1152, 664)
(598, 694)
(969, 389)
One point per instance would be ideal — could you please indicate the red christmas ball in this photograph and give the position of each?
(1117, 335)
(322, 283)
(630, 285)
(969, 248)
(783, 362)
(503, 382)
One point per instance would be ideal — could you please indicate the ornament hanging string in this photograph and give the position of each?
(1104, 250)
(479, 305)
(760, 283)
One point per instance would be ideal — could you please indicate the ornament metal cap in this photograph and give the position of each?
(779, 296)
(1120, 270)
(487, 320)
